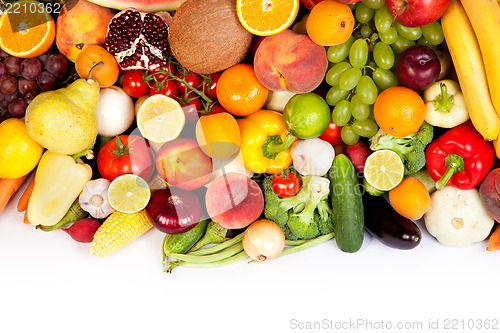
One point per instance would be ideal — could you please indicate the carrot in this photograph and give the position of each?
(9, 187)
(494, 240)
(22, 205)
(26, 221)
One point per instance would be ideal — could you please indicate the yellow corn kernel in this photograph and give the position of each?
(118, 230)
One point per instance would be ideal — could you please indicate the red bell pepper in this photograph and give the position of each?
(459, 157)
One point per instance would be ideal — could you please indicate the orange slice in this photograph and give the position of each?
(160, 118)
(26, 29)
(267, 17)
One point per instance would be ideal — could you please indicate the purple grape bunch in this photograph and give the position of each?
(22, 79)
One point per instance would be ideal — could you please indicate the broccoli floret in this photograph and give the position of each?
(303, 216)
(410, 148)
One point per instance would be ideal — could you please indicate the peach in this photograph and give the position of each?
(234, 201)
(290, 61)
(81, 23)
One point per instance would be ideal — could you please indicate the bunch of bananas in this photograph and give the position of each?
(472, 30)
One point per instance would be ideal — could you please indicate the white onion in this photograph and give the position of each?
(263, 240)
(115, 111)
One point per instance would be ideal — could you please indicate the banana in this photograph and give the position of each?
(484, 15)
(466, 57)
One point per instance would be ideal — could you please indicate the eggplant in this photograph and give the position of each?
(388, 226)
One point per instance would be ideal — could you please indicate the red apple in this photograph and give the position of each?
(182, 163)
(416, 13)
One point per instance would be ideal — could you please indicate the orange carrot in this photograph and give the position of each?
(26, 221)
(494, 240)
(9, 187)
(22, 205)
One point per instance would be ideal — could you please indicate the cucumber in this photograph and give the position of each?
(347, 205)
(183, 242)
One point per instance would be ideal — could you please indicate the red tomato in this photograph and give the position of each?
(126, 154)
(216, 108)
(160, 76)
(332, 134)
(285, 184)
(190, 105)
(169, 89)
(210, 89)
(134, 84)
(191, 78)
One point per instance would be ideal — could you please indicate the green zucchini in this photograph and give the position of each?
(347, 205)
(183, 242)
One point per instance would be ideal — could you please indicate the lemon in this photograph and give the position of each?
(307, 115)
(160, 118)
(128, 193)
(19, 153)
(384, 170)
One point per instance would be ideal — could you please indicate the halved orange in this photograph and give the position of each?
(26, 29)
(160, 118)
(267, 17)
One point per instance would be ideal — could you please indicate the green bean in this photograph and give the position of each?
(218, 247)
(310, 243)
(224, 262)
(306, 244)
(230, 251)
(295, 242)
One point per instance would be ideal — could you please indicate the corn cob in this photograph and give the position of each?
(118, 230)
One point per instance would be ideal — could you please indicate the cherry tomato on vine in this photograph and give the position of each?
(169, 89)
(134, 84)
(160, 76)
(210, 90)
(190, 105)
(191, 78)
(332, 134)
(285, 184)
(216, 108)
(126, 154)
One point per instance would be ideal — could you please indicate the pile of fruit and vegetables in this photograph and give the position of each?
(249, 130)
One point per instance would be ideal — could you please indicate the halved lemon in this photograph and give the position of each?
(267, 17)
(26, 29)
(129, 193)
(384, 170)
(160, 118)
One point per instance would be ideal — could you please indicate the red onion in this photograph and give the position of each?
(173, 210)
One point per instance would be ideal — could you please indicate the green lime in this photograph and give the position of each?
(306, 115)
(384, 170)
(128, 193)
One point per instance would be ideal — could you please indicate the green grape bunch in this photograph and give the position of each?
(362, 67)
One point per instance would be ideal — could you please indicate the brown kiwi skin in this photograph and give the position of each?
(206, 36)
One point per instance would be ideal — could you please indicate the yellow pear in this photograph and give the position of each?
(64, 121)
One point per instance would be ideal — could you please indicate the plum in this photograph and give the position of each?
(489, 191)
(234, 201)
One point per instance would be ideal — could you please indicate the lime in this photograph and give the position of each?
(128, 193)
(384, 170)
(307, 115)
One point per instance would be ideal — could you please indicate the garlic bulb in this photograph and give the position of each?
(94, 198)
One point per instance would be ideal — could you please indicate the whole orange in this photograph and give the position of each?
(410, 198)
(399, 111)
(330, 23)
(239, 91)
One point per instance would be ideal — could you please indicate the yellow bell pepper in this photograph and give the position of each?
(59, 180)
(265, 142)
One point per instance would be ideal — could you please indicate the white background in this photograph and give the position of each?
(48, 283)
